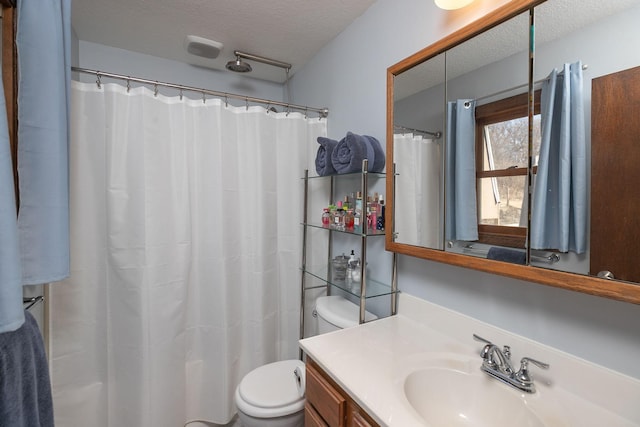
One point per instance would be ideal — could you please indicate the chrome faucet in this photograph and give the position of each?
(497, 363)
(496, 359)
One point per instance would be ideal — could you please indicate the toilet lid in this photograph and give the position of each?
(272, 385)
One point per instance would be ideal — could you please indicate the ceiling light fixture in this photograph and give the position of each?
(452, 4)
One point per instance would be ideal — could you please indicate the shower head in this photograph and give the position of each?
(238, 66)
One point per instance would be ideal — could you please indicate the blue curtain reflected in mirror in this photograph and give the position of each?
(461, 219)
(559, 201)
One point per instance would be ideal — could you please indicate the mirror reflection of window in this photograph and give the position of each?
(504, 150)
(502, 159)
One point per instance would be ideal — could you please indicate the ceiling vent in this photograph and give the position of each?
(200, 46)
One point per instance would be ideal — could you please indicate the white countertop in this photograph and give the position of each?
(371, 361)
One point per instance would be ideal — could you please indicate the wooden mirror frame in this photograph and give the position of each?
(10, 81)
(617, 290)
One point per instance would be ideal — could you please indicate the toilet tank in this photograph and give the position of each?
(335, 312)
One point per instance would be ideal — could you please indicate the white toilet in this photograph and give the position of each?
(273, 395)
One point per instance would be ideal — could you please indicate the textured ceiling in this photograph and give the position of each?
(291, 31)
(553, 20)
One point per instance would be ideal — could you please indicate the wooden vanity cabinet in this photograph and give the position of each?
(328, 405)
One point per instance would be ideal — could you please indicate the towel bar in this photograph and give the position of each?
(551, 258)
(32, 301)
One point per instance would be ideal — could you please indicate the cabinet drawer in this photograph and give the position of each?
(324, 398)
(312, 418)
(358, 420)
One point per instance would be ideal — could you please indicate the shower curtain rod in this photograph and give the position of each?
(537, 82)
(436, 135)
(322, 112)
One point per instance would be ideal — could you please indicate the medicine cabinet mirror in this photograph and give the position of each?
(465, 199)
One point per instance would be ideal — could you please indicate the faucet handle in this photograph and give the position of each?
(485, 351)
(507, 352)
(523, 374)
(479, 338)
(524, 362)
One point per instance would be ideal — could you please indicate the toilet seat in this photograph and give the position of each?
(280, 397)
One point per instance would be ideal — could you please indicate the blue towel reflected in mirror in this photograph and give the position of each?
(513, 256)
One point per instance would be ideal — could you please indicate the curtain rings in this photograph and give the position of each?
(180, 94)
(204, 98)
(226, 101)
(306, 112)
(128, 84)
(155, 89)
(98, 82)
(246, 101)
(268, 107)
(288, 110)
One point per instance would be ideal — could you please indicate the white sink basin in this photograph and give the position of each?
(451, 398)
(450, 390)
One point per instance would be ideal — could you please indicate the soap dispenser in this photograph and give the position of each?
(351, 264)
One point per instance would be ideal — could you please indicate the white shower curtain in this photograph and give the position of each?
(185, 244)
(418, 194)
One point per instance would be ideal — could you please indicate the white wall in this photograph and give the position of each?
(349, 77)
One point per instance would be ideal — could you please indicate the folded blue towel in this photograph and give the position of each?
(353, 149)
(324, 166)
(25, 389)
(513, 256)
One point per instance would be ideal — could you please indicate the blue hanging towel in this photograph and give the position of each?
(25, 388)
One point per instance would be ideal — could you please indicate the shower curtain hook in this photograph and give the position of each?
(204, 98)
(306, 112)
(155, 89)
(246, 100)
(226, 101)
(288, 110)
(98, 81)
(180, 94)
(268, 107)
(128, 84)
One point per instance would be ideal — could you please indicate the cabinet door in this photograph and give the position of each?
(325, 399)
(615, 174)
(312, 418)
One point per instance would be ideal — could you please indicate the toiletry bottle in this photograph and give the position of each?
(351, 265)
(372, 219)
(357, 222)
(358, 203)
(349, 219)
(326, 217)
(339, 218)
(332, 215)
(356, 274)
(380, 219)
